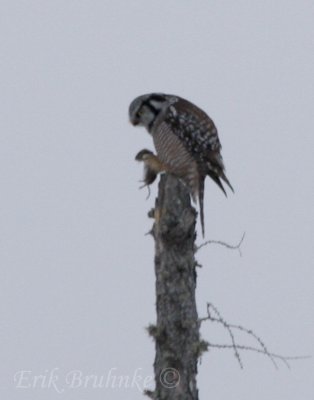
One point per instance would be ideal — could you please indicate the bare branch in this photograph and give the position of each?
(236, 347)
(284, 359)
(241, 328)
(221, 243)
(226, 325)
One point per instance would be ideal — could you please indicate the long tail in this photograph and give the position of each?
(225, 179)
(201, 203)
(217, 180)
(215, 169)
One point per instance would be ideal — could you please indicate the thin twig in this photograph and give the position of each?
(284, 359)
(258, 339)
(221, 243)
(236, 347)
(239, 327)
(224, 323)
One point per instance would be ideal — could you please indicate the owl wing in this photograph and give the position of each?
(199, 135)
(194, 128)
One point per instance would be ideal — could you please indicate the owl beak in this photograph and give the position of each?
(134, 122)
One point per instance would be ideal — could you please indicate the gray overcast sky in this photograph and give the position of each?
(77, 280)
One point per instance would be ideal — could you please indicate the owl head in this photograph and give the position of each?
(144, 109)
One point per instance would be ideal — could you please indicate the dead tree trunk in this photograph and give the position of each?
(177, 331)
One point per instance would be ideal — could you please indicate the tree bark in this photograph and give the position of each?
(176, 334)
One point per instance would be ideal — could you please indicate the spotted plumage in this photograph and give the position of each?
(185, 138)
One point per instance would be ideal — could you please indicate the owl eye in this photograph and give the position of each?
(139, 113)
